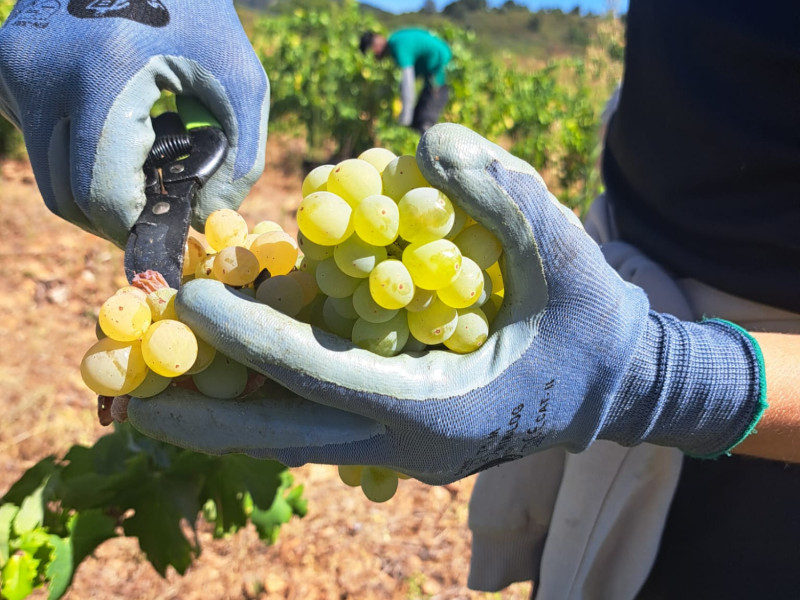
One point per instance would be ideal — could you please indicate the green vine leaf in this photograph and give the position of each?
(19, 576)
(60, 569)
(7, 514)
(160, 507)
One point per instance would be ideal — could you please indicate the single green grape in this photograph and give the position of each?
(223, 379)
(472, 330)
(378, 483)
(391, 284)
(354, 180)
(357, 258)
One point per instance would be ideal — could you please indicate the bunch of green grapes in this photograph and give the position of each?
(382, 258)
(143, 347)
(400, 268)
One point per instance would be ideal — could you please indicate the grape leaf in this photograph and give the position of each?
(30, 481)
(87, 530)
(19, 575)
(7, 514)
(288, 502)
(60, 569)
(101, 476)
(228, 481)
(160, 506)
(31, 512)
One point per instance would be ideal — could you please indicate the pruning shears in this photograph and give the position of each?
(181, 161)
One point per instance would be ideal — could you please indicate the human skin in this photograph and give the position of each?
(777, 434)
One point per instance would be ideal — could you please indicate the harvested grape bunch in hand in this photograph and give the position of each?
(381, 258)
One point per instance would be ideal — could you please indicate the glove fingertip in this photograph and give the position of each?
(448, 151)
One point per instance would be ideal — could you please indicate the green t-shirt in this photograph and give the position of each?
(422, 50)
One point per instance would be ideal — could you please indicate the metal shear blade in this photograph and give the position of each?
(177, 166)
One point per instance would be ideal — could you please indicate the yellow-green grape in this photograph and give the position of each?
(162, 303)
(248, 291)
(350, 474)
(193, 253)
(125, 317)
(497, 277)
(434, 324)
(276, 252)
(311, 313)
(311, 250)
(316, 180)
(422, 299)
(378, 483)
(248, 241)
(153, 384)
(483, 298)
(459, 222)
(205, 267)
(281, 292)
(467, 287)
(309, 266)
(433, 265)
(169, 348)
(225, 227)
(376, 220)
(414, 345)
(386, 339)
(426, 214)
(366, 307)
(325, 218)
(343, 306)
(265, 226)
(491, 306)
(479, 244)
(113, 368)
(223, 379)
(236, 266)
(307, 283)
(357, 258)
(401, 175)
(335, 322)
(390, 284)
(205, 355)
(471, 331)
(130, 289)
(354, 180)
(378, 157)
(402, 475)
(333, 282)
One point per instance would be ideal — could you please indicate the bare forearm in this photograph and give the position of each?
(777, 434)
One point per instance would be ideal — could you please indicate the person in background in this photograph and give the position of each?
(419, 54)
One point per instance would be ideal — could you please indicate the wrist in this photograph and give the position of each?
(696, 386)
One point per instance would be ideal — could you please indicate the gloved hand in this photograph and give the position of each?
(575, 355)
(79, 81)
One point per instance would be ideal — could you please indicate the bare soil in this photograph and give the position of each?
(54, 277)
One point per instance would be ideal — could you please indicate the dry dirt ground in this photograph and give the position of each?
(53, 278)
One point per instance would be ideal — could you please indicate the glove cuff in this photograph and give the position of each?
(699, 387)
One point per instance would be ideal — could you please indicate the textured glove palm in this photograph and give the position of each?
(80, 78)
(576, 355)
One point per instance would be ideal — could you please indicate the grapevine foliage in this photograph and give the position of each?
(11, 142)
(549, 116)
(60, 510)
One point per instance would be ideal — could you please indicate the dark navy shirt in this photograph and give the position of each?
(702, 161)
(702, 166)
